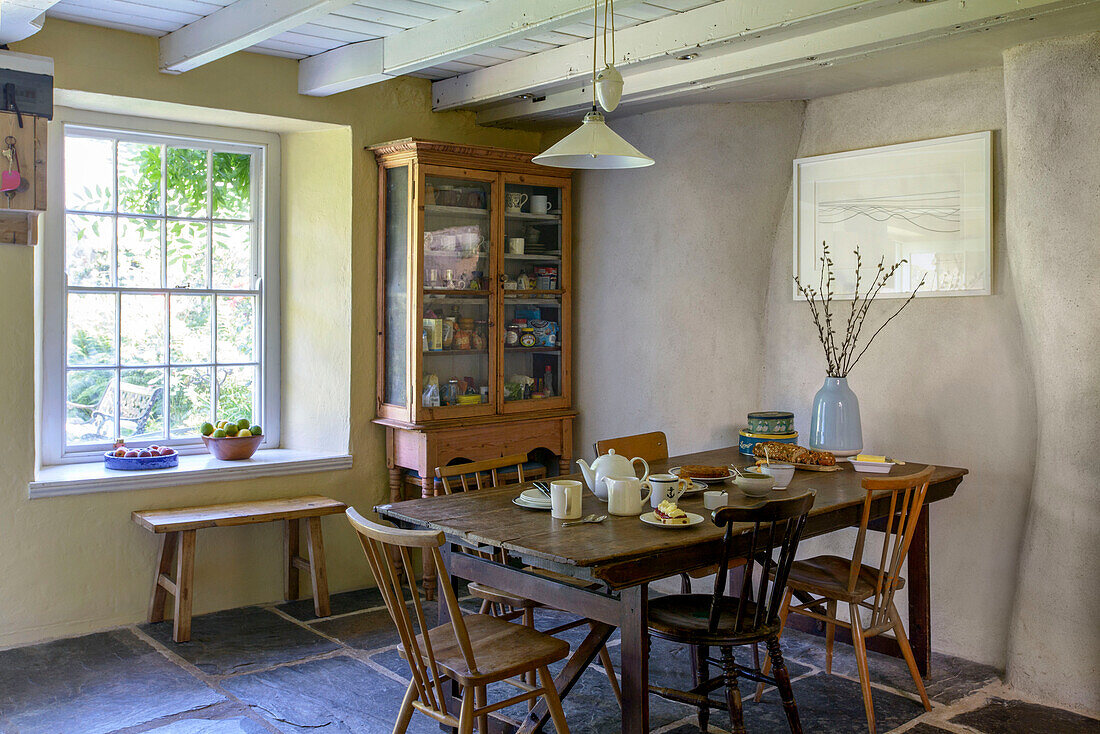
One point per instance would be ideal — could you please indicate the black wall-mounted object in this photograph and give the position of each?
(29, 94)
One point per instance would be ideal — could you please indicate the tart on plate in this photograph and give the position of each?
(669, 514)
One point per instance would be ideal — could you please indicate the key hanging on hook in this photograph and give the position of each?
(11, 179)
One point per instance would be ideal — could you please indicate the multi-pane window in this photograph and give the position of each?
(162, 297)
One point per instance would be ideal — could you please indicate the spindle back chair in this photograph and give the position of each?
(864, 587)
(474, 473)
(770, 531)
(473, 651)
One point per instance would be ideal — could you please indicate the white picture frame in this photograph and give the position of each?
(928, 202)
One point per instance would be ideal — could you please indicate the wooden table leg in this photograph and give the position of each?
(291, 547)
(159, 602)
(318, 573)
(185, 576)
(635, 659)
(397, 494)
(920, 603)
(427, 489)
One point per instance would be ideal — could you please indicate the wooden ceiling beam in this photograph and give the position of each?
(445, 39)
(780, 55)
(714, 25)
(235, 27)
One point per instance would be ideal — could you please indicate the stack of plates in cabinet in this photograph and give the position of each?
(532, 499)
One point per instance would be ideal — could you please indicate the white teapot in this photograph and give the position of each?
(609, 465)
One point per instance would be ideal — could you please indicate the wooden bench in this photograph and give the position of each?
(178, 527)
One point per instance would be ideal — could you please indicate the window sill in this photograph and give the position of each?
(69, 479)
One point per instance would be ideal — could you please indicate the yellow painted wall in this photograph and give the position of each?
(70, 565)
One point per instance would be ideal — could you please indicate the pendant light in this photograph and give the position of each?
(594, 145)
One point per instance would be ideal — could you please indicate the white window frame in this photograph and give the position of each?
(52, 372)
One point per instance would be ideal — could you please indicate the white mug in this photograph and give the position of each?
(624, 495)
(666, 487)
(514, 201)
(565, 499)
(515, 245)
(539, 205)
(714, 499)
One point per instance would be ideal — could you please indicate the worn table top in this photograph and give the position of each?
(614, 550)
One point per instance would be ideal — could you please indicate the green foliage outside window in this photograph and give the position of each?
(140, 169)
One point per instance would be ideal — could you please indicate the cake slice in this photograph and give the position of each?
(669, 514)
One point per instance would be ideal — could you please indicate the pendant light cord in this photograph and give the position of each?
(608, 8)
(595, 34)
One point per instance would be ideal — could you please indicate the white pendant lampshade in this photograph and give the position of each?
(593, 145)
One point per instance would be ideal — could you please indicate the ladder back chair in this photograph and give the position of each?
(491, 473)
(725, 621)
(832, 580)
(473, 651)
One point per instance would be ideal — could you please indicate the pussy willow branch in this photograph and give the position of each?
(881, 279)
(884, 323)
(841, 360)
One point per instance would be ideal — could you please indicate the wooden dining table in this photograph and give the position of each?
(621, 556)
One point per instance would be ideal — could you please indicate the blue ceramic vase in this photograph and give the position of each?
(834, 423)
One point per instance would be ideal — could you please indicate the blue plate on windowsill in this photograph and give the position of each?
(140, 463)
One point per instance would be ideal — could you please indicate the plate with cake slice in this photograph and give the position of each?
(702, 473)
(668, 515)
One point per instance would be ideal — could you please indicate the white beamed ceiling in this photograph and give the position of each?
(359, 21)
(527, 62)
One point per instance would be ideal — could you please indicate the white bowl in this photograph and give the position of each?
(782, 473)
(759, 486)
(872, 467)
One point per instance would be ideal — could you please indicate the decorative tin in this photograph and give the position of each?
(746, 440)
(771, 422)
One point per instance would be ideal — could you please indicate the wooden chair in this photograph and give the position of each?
(718, 620)
(492, 473)
(474, 651)
(832, 579)
(650, 446)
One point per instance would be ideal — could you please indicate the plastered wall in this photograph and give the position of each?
(671, 274)
(71, 565)
(1053, 100)
(948, 381)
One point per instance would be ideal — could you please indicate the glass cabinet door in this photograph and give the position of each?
(534, 302)
(456, 362)
(394, 263)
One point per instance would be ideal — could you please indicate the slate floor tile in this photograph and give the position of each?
(952, 679)
(200, 725)
(342, 603)
(337, 695)
(93, 684)
(999, 716)
(239, 640)
(923, 728)
(826, 703)
(365, 630)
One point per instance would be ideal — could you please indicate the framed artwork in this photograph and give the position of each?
(929, 203)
